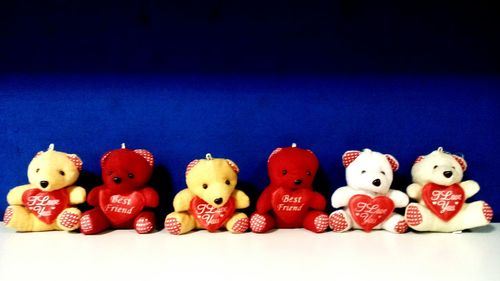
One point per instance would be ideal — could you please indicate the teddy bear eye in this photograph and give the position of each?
(205, 186)
(37, 170)
(228, 182)
(284, 172)
(308, 173)
(453, 167)
(61, 173)
(362, 172)
(383, 173)
(130, 175)
(435, 167)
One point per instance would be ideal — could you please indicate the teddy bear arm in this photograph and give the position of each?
(15, 195)
(318, 202)
(93, 197)
(470, 188)
(341, 196)
(399, 198)
(241, 199)
(76, 194)
(151, 198)
(264, 201)
(182, 200)
(414, 190)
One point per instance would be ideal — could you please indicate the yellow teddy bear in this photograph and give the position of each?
(45, 203)
(210, 199)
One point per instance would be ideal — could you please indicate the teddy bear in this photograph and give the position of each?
(289, 200)
(441, 194)
(123, 200)
(46, 202)
(210, 200)
(367, 199)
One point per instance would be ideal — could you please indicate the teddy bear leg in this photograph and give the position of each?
(340, 221)
(396, 223)
(472, 215)
(316, 221)
(238, 223)
(144, 222)
(261, 223)
(68, 219)
(20, 219)
(93, 222)
(179, 223)
(420, 218)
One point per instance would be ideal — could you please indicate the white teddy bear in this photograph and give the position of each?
(368, 200)
(441, 195)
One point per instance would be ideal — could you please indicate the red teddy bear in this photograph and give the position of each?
(122, 200)
(289, 201)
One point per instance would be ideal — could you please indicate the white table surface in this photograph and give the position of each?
(292, 254)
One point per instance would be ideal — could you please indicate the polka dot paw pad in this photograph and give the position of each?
(401, 227)
(241, 225)
(487, 212)
(85, 224)
(69, 220)
(321, 223)
(173, 226)
(258, 223)
(143, 225)
(338, 222)
(8, 216)
(413, 216)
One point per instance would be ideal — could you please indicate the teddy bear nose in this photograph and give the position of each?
(297, 182)
(218, 200)
(448, 174)
(376, 182)
(44, 184)
(117, 180)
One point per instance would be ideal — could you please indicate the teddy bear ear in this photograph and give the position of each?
(76, 160)
(104, 158)
(461, 161)
(233, 166)
(420, 158)
(146, 155)
(273, 153)
(349, 157)
(394, 163)
(191, 165)
(38, 154)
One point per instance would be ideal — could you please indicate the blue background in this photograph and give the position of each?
(237, 80)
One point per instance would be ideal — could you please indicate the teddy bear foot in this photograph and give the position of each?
(321, 223)
(413, 216)
(19, 218)
(261, 223)
(69, 219)
(339, 222)
(8, 215)
(401, 227)
(144, 223)
(239, 223)
(487, 212)
(93, 222)
(173, 226)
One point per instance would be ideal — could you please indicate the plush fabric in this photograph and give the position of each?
(210, 200)
(289, 200)
(124, 198)
(441, 195)
(46, 202)
(367, 199)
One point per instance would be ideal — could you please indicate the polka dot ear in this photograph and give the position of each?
(104, 158)
(76, 160)
(233, 166)
(461, 161)
(191, 165)
(349, 157)
(394, 163)
(273, 153)
(420, 158)
(310, 151)
(146, 155)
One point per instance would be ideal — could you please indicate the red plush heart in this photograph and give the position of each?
(289, 205)
(369, 212)
(444, 201)
(121, 208)
(210, 217)
(46, 206)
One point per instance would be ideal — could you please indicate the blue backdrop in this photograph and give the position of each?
(238, 79)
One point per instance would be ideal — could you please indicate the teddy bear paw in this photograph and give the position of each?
(321, 223)
(143, 225)
(8, 215)
(401, 226)
(258, 223)
(173, 226)
(413, 216)
(338, 222)
(241, 225)
(487, 212)
(69, 219)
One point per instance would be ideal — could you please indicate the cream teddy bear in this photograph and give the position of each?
(441, 194)
(45, 203)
